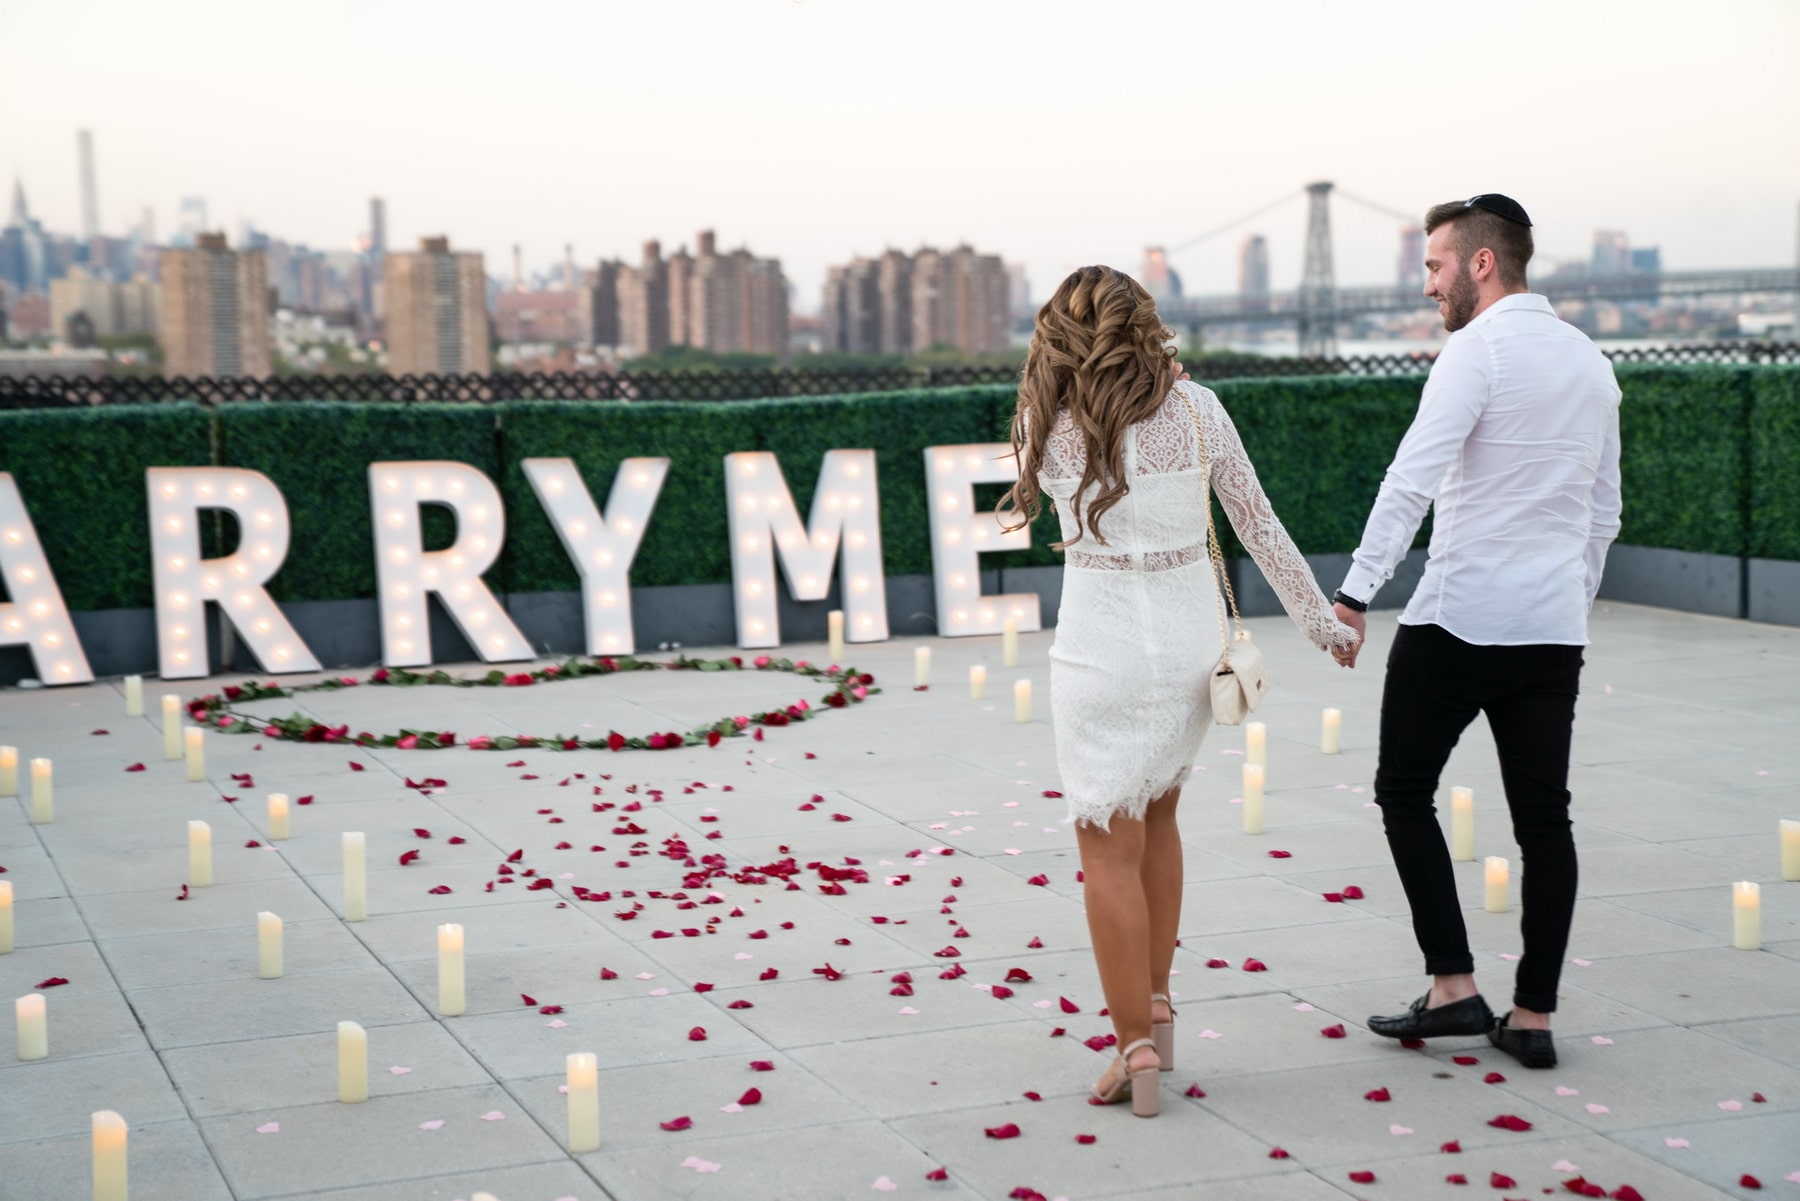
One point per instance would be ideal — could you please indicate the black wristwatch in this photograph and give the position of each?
(1349, 602)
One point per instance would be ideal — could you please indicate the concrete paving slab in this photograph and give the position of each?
(168, 1161)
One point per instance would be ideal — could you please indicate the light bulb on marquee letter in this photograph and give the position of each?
(185, 581)
(959, 535)
(602, 548)
(396, 490)
(36, 615)
(846, 508)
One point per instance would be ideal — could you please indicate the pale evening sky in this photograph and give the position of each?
(1050, 132)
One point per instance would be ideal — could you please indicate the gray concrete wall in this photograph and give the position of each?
(346, 633)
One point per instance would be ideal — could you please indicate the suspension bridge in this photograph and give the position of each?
(1318, 305)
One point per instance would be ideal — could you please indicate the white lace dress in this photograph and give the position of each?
(1137, 633)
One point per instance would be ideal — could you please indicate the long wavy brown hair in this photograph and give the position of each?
(1100, 350)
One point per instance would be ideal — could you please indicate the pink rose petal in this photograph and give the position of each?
(1211, 1034)
(1731, 1106)
(908, 1010)
(697, 1164)
(493, 1115)
(1563, 1165)
(1676, 1143)
(1563, 1090)
(1597, 1109)
(883, 1185)
(734, 1107)
(556, 1024)
(269, 1128)
(1600, 1040)
(1399, 1130)
(1582, 962)
(433, 1124)
(1303, 1007)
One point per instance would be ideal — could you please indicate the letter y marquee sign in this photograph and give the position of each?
(844, 528)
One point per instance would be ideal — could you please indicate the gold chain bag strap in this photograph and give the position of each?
(1240, 679)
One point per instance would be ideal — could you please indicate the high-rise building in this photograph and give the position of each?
(90, 192)
(377, 227)
(1646, 258)
(1612, 253)
(736, 302)
(644, 303)
(24, 252)
(114, 308)
(436, 310)
(907, 304)
(1018, 290)
(190, 222)
(895, 282)
(1411, 276)
(1162, 281)
(1253, 271)
(851, 315)
(601, 287)
(215, 310)
(681, 300)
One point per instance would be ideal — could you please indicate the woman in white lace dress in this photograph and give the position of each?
(1107, 430)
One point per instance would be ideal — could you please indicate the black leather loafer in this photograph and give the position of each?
(1470, 1015)
(1533, 1048)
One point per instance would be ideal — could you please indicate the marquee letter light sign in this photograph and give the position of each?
(764, 520)
(36, 615)
(959, 535)
(185, 582)
(405, 571)
(602, 548)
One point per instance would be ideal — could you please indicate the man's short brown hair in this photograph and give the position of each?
(1477, 228)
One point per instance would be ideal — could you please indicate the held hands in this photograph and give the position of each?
(1346, 656)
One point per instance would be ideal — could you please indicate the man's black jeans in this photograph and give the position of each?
(1436, 684)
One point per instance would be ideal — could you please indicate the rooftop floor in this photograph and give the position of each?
(1680, 1055)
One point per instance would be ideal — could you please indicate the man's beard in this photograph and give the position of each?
(1459, 303)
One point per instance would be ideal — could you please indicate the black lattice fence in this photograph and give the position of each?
(59, 391)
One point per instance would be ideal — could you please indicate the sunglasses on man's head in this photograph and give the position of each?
(1500, 206)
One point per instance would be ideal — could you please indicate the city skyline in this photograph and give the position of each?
(795, 154)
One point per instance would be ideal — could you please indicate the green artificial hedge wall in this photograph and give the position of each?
(1709, 465)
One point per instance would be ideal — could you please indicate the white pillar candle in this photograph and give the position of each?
(34, 1034)
(584, 1102)
(278, 816)
(268, 946)
(1462, 825)
(6, 917)
(1790, 850)
(110, 1134)
(356, 880)
(194, 739)
(134, 696)
(922, 666)
(9, 771)
(977, 682)
(1746, 915)
(1009, 640)
(834, 626)
(1021, 700)
(1256, 743)
(43, 799)
(452, 997)
(199, 854)
(171, 726)
(353, 1063)
(1331, 731)
(1497, 874)
(1254, 775)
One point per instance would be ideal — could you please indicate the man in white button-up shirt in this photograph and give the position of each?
(1516, 443)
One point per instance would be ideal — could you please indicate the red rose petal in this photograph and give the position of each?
(1412, 1044)
(1353, 893)
(1758, 1098)
(1215, 963)
(1510, 1121)
(252, 843)
(1281, 854)
(1749, 1181)
(1040, 879)
(550, 1010)
(421, 832)
(184, 893)
(52, 982)
(1032, 1096)
(1378, 1094)
(938, 1174)
(1465, 1060)
(1255, 965)
(1336, 898)
(305, 800)
(1277, 1153)
(1086, 1140)
(1626, 1193)
(697, 1034)
(1496, 1180)
(752, 1096)
(607, 973)
(135, 767)
(1363, 1177)
(681, 1123)
(761, 1065)
(1067, 1005)
(1010, 1130)
(740, 1003)
(1583, 1187)
(1052, 793)
(1194, 1091)
(1456, 1178)
(1017, 975)
(1453, 1147)
(1057, 1032)
(1493, 1078)
(1035, 944)
(407, 857)
(1333, 1031)
(769, 973)
(355, 766)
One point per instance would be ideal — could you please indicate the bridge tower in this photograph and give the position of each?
(1318, 287)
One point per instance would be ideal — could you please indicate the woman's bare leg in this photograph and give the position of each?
(1161, 872)
(1119, 925)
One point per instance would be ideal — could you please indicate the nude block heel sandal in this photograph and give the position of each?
(1145, 1092)
(1164, 1034)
